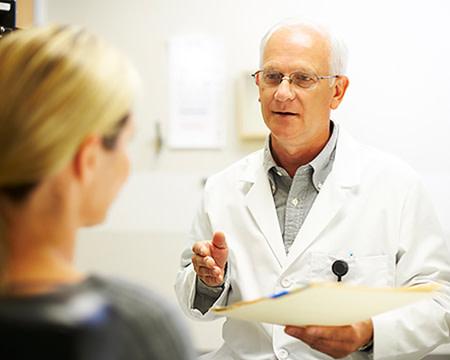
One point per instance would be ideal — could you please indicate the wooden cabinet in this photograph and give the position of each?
(25, 11)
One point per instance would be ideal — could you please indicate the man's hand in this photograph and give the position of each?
(210, 258)
(336, 341)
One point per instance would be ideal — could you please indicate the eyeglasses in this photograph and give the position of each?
(302, 79)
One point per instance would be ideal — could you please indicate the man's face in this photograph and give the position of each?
(297, 118)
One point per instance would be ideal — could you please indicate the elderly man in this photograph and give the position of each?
(311, 196)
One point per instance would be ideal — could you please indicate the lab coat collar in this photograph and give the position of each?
(344, 177)
(349, 160)
(342, 182)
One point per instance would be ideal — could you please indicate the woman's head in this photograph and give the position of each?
(58, 85)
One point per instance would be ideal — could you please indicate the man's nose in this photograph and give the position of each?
(284, 91)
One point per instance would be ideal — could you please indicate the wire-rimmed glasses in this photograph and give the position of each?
(302, 79)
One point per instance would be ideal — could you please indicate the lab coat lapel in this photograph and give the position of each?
(265, 216)
(340, 184)
(327, 204)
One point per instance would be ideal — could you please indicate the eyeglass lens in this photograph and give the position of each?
(300, 79)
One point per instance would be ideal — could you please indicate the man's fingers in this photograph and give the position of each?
(338, 341)
(209, 259)
(200, 249)
(212, 281)
(210, 273)
(204, 261)
(205, 266)
(211, 276)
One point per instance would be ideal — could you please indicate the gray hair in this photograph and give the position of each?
(338, 50)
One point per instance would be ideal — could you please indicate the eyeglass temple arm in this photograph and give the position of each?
(328, 77)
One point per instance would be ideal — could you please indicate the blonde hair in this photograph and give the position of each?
(58, 85)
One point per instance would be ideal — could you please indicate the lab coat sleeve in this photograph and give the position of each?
(185, 284)
(423, 257)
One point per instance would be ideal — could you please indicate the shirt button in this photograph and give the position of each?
(295, 202)
(283, 354)
(319, 186)
(286, 282)
(279, 173)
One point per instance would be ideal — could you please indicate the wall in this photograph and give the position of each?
(398, 100)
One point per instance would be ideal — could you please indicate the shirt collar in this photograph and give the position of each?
(321, 164)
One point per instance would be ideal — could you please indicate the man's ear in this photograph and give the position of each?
(86, 158)
(340, 87)
(259, 88)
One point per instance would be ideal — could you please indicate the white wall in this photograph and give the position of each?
(398, 100)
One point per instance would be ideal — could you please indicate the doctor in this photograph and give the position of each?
(280, 217)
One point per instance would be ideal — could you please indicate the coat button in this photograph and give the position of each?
(286, 282)
(283, 354)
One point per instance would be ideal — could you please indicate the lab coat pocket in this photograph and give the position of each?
(363, 271)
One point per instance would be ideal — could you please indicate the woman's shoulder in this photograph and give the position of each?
(124, 293)
(150, 322)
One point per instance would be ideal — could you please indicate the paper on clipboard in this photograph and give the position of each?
(328, 304)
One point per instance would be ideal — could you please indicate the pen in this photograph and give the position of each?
(279, 294)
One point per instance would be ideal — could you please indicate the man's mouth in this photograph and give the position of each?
(284, 113)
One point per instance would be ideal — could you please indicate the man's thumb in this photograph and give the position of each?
(219, 240)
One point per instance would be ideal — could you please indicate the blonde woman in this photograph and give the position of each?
(65, 122)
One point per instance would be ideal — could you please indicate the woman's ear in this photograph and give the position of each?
(340, 87)
(86, 159)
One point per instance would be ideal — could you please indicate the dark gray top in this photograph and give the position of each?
(130, 322)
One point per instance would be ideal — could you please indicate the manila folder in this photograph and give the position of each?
(327, 304)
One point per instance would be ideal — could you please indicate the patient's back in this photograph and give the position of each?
(99, 318)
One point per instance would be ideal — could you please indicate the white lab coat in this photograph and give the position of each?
(372, 211)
